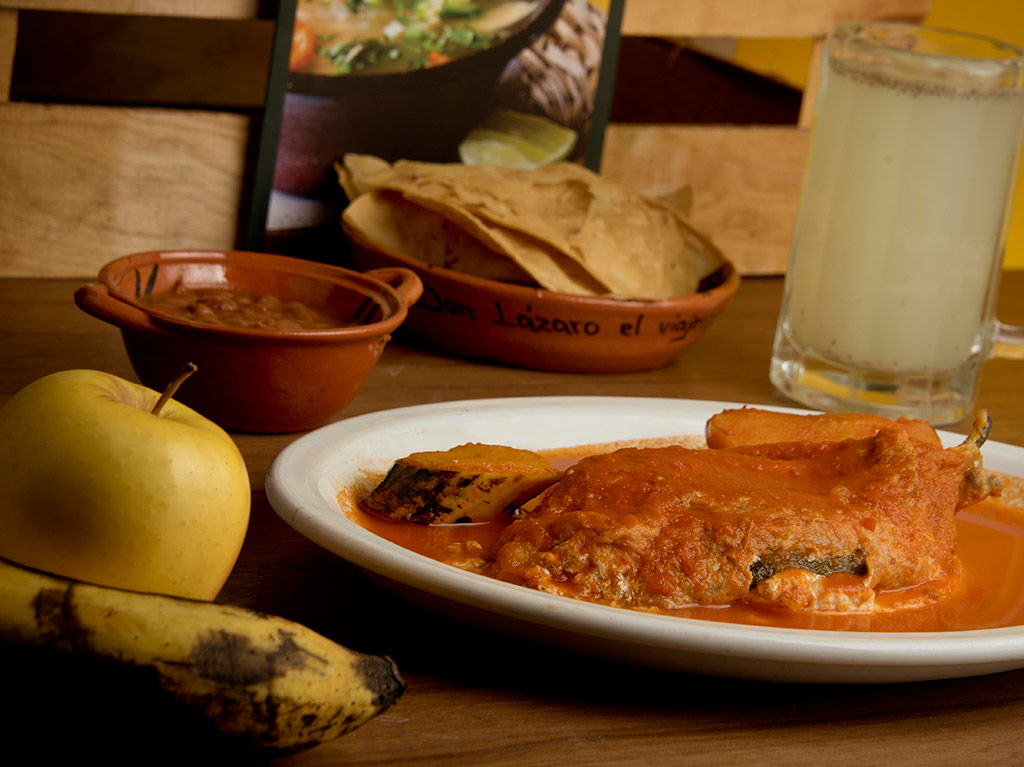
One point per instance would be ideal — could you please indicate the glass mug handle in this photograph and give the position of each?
(1009, 342)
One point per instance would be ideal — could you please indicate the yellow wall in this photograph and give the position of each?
(1003, 19)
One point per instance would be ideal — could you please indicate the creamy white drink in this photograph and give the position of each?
(902, 219)
(901, 222)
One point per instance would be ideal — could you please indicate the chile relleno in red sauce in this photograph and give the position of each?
(858, 535)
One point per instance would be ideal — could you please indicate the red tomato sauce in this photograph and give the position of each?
(990, 545)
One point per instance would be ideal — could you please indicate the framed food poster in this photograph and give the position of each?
(518, 83)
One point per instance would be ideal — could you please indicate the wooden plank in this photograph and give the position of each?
(8, 40)
(220, 9)
(142, 60)
(90, 183)
(758, 18)
(83, 185)
(654, 18)
(658, 81)
(745, 182)
(812, 84)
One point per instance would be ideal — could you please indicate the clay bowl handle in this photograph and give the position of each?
(95, 299)
(405, 282)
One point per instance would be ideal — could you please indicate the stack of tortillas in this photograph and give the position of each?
(561, 227)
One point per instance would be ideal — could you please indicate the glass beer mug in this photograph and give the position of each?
(889, 302)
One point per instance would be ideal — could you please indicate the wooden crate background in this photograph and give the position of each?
(134, 129)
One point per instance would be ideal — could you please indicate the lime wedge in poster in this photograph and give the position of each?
(481, 149)
(517, 140)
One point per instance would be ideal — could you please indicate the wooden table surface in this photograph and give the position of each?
(481, 698)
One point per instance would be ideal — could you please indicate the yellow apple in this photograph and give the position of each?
(97, 487)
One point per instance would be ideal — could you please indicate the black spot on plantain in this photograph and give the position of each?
(48, 606)
(232, 659)
(494, 483)
(56, 618)
(381, 677)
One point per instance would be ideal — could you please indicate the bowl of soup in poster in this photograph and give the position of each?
(362, 82)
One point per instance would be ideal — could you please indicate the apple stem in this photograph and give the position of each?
(172, 387)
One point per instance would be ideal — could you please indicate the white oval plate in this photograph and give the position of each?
(304, 480)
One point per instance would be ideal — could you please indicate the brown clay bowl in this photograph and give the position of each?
(252, 379)
(421, 114)
(543, 330)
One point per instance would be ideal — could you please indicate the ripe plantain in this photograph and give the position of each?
(262, 681)
(468, 483)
